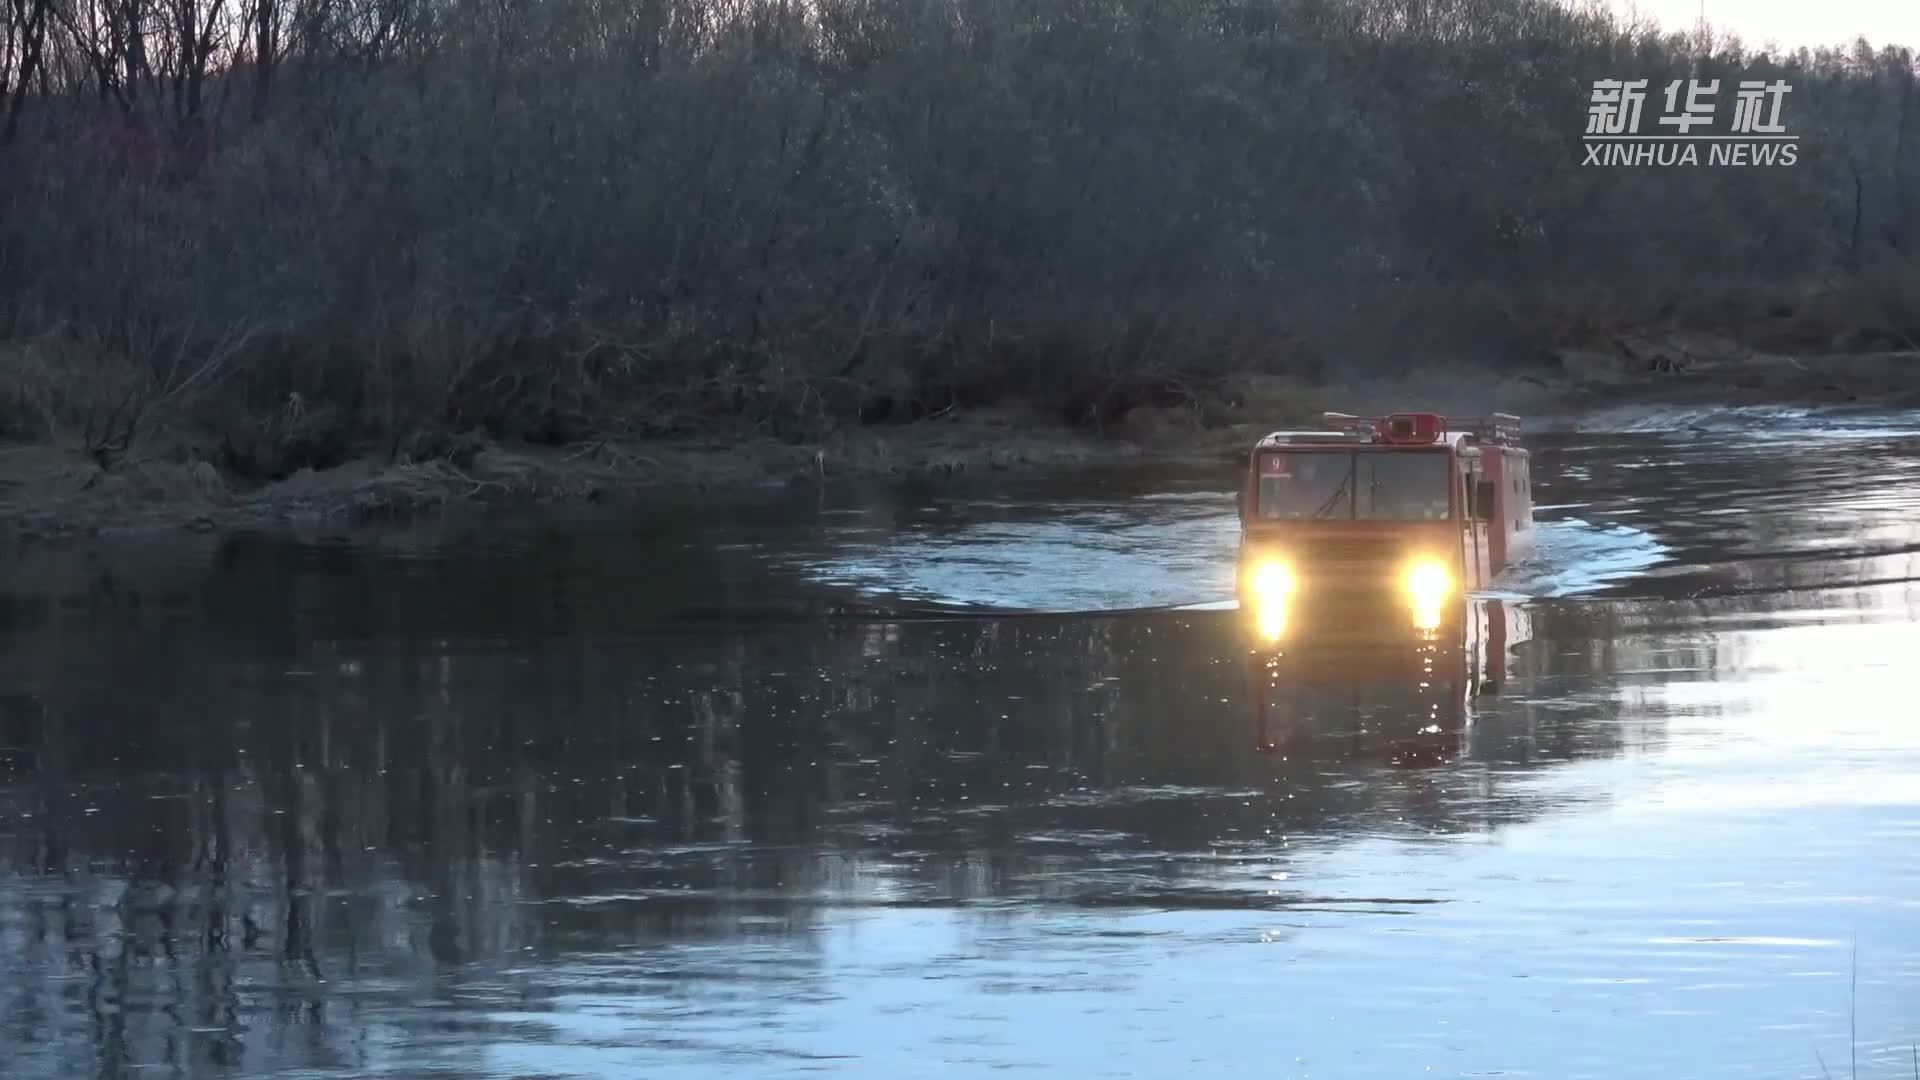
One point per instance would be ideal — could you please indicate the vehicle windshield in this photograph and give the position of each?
(1368, 485)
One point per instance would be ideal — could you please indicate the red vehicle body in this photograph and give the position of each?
(1414, 505)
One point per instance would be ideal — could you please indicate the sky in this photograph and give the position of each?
(1791, 23)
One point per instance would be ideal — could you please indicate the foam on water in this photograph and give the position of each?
(1167, 551)
(1758, 422)
(1164, 553)
(1573, 557)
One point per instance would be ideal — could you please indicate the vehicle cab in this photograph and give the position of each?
(1413, 506)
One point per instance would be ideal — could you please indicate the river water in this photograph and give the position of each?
(888, 783)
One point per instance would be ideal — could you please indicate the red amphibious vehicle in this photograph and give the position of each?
(1414, 509)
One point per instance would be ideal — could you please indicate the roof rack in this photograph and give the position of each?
(1500, 429)
(1284, 438)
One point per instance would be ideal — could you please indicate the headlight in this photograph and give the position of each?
(1428, 581)
(1428, 585)
(1270, 580)
(1270, 586)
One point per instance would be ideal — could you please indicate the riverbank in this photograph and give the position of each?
(48, 493)
(54, 493)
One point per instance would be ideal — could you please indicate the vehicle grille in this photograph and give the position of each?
(1348, 550)
(1332, 611)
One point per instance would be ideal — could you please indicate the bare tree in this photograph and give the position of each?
(560, 220)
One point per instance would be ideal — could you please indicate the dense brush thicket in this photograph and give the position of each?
(308, 226)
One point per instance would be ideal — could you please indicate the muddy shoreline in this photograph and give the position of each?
(48, 494)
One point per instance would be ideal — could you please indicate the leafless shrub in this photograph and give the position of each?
(309, 227)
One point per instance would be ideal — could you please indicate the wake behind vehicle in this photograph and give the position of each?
(1393, 517)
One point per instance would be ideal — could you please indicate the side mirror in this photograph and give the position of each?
(1483, 501)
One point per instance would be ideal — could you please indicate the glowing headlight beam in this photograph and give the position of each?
(1428, 585)
(1271, 581)
(1270, 587)
(1428, 580)
(1270, 620)
(1426, 616)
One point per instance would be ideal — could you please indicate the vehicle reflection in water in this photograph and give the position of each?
(344, 812)
(1367, 676)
